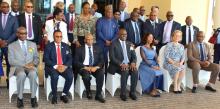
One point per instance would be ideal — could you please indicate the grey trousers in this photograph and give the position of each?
(21, 75)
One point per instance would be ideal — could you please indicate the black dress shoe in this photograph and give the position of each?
(123, 97)
(34, 102)
(133, 96)
(209, 88)
(20, 103)
(180, 91)
(100, 99)
(89, 95)
(54, 100)
(64, 98)
(194, 90)
(7, 83)
(176, 92)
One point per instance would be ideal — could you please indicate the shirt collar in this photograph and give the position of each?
(27, 14)
(56, 44)
(22, 41)
(88, 46)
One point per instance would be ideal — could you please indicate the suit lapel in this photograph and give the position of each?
(18, 47)
(63, 51)
(83, 53)
(119, 47)
(1, 22)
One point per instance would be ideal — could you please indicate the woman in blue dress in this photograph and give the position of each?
(174, 59)
(151, 76)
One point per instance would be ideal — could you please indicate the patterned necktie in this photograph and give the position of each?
(201, 53)
(24, 48)
(29, 26)
(125, 61)
(71, 24)
(59, 57)
(57, 26)
(137, 34)
(90, 57)
(189, 30)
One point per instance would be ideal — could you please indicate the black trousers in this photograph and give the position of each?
(124, 78)
(99, 75)
(67, 75)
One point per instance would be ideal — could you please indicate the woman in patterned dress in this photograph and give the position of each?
(174, 59)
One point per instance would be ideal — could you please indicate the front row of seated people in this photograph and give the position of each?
(23, 57)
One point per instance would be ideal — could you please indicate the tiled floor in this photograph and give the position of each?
(201, 100)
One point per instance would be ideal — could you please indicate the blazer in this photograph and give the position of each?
(194, 54)
(97, 54)
(9, 32)
(67, 17)
(36, 24)
(175, 26)
(49, 28)
(148, 28)
(130, 31)
(17, 58)
(116, 55)
(183, 28)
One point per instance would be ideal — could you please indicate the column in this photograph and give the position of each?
(216, 17)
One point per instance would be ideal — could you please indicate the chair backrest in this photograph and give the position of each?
(138, 55)
(161, 55)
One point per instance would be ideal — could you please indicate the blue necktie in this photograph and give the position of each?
(125, 61)
(137, 34)
(24, 49)
(201, 53)
(90, 57)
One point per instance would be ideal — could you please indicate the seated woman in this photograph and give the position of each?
(151, 76)
(174, 59)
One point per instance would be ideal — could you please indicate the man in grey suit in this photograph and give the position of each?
(23, 58)
(124, 15)
(123, 61)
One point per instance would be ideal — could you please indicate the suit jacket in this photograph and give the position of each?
(9, 32)
(49, 28)
(130, 31)
(148, 28)
(175, 26)
(194, 54)
(159, 20)
(67, 17)
(116, 55)
(17, 59)
(36, 24)
(126, 16)
(183, 28)
(97, 55)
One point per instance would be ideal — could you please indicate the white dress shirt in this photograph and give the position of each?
(98, 15)
(14, 13)
(187, 34)
(167, 31)
(143, 18)
(86, 60)
(122, 16)
(26, 19)
(49, 27)
(21, 43)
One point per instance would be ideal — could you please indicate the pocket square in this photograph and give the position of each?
(67, 52)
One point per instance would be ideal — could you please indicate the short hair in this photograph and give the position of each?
(59, 5)
(152, 7)
(116, 11)
(20, 28)
(57, 11)
(56, 31)
(176, 31)
(85, 3)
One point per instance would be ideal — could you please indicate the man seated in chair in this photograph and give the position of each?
(123, 61)
(23, 58)
(89, 60)
(58, 61)
(199, 58)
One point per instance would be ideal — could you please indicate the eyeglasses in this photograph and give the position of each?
(29, 6)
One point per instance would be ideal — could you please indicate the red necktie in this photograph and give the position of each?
(71, 24)
(59, 57)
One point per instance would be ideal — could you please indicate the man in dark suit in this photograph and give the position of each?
(123, 61)
(150, 26)
(156, 10)
(14, 8)
(58, 61)
(89, 60)
(167, 28)
(189, 31)
(133, 27)
(117, 14)
(32, 22)
(8, 26)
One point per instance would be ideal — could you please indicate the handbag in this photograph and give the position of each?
(213, 38)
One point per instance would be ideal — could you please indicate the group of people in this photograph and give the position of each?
(88, 44)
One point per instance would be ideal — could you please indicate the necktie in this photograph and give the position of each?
(57, 26)
(71, 24)
(90, 57)
(24, 49)
(16, 14)
(201, 53)
(189, 30)
(137, 34)
(59, 57)
(29, 26)
(125, 61)
(4, 21)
